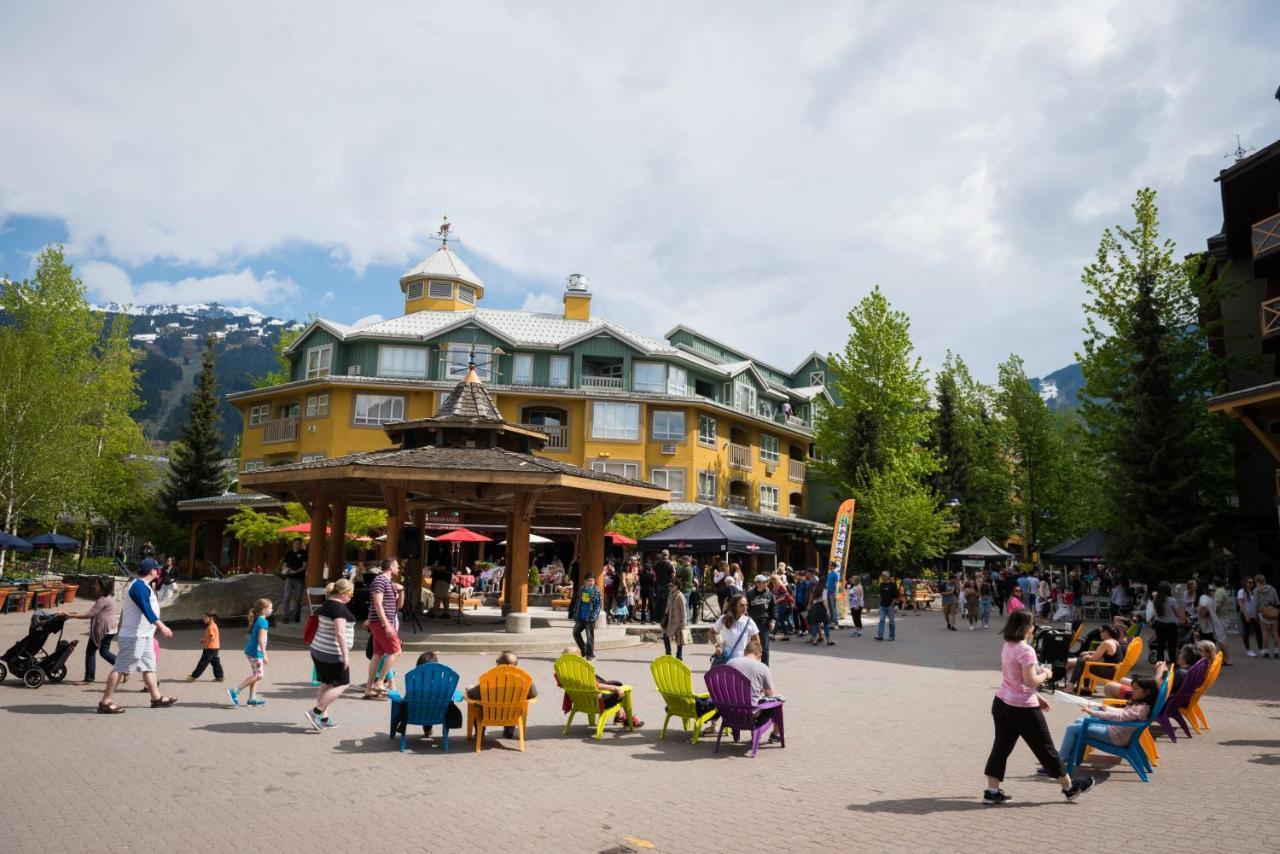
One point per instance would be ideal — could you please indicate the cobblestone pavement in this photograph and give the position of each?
(885, 753)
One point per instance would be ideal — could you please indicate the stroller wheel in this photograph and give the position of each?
(34, 677)
(57, 674)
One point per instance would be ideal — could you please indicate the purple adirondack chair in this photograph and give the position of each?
(731, 693)
(1179, 701)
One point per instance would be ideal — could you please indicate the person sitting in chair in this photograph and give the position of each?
(1094, 636)
(1109, 651)
(507, 657)
(610, 692)
(452, 717)
(749, 664)
(1187, 656)
(1137, 709)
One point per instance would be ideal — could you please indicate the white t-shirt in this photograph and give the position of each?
(1209, 624)
(1248, 604)
(730, 644)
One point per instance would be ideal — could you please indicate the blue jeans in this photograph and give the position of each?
(1070, 739)
(887, 612)
(91, 649)
(666, 644)
(784, 619)
(584, 635)
(984, 611)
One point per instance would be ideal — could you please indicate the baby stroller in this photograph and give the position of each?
(1051, 648)
(27, 658)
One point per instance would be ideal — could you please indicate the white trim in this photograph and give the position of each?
(434, 287)
(676, 495)
(320, 370)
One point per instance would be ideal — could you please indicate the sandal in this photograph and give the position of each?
(163, 702)
(373, 695)
(109, 709)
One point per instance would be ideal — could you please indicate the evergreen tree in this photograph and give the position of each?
(195, 460)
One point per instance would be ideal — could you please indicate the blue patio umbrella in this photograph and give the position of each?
(9, 541)
(55, 541)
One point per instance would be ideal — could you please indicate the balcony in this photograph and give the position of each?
(1266, 236)
(795, 470)
(589, 381)
(1270, 317)
(557, 435)
(737, 502)
(739, 456)
(280, 430)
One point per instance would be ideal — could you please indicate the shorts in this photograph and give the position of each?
(331, 672)
(384, 642)
(440, 590)
(257, 666)
(950, 608)
(135, 655)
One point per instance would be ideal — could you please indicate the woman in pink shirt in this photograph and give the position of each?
(1018, 712)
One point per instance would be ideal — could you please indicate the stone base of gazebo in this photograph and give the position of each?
(482, 631)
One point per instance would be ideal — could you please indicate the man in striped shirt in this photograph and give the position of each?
(384, 626)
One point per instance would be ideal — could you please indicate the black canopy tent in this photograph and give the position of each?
(707, 532)
(1087, 549)
(982, 549)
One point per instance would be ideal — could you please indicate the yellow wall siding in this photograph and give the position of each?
(436, 304)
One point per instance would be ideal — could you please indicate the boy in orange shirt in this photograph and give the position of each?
(209, 650)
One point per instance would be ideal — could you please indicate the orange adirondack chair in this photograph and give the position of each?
(504, 701)
(1193, 713)
(1095, 672)
(1147, 741)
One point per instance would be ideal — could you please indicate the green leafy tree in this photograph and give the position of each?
(874, 441)
(195, 459)
(256, 529)
(637, 526)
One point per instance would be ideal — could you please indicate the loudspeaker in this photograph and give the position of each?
(410, 547)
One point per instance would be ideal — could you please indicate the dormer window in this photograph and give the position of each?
(467, 294)
(318, 361)
(413, 291)
(817, 378)
(442, 290)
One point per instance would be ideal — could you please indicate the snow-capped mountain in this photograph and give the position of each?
(212, 310)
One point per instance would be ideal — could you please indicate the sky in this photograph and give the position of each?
(750, 169)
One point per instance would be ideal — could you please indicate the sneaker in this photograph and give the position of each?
(1041, 771)
(1078, 788)
(328, 724)
(257, 702)
(1250, 653)
(312, 718)
(997, 796)
(190, 678)
(831, 643)
(879, 638)
(234, 695)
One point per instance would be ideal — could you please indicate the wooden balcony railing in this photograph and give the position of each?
(280, 430)
(739, 456)
(795, 470)
(1270, 317)
(557, 435)
(737, 502)
(1266, 236)
(601, 382)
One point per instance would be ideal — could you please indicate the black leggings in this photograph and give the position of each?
(856, 613)
(1166, 641)
(1254, 626)
(1027, 723)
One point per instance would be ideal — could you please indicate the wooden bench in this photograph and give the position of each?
(471, 602)
(561, 603)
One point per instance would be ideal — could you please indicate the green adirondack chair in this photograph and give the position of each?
(577, 677)
(675, 683)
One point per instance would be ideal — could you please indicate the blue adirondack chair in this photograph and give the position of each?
(428, 690)
(1094, 737)
(731, 693)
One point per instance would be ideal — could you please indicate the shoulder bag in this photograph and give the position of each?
(723, 658)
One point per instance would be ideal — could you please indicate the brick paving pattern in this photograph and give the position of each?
(886, 744)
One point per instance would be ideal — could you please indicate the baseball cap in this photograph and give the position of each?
(146, 565)
(760, 578)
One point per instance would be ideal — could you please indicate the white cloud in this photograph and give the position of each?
(542, 302)
(755, 183)
(367, 320)
(327, 298)
(107, 282)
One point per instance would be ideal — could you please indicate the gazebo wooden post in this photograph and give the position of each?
(413, 566)
(315, 547)
(504, 591)
(518, 564)
(593, 546)
(338, 539)
(191, 547)
(395, 522)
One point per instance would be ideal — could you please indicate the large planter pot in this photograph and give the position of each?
(69, 593)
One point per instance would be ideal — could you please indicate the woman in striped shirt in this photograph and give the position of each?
(330, 650)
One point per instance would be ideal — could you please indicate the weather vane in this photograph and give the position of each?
(1239, 154)
(444, 235)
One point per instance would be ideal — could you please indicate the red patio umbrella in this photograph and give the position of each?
(462, 535)
(618, 539)
(305, 528)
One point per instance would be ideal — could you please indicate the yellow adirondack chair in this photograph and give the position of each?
(504, 701)
(1193, 713)
(1095, 672)
(675, 683)
(577, 677)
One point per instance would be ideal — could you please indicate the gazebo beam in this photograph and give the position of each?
(592, 560)
(518, 564)
(338, 539)
(315, 548)
(394, 497)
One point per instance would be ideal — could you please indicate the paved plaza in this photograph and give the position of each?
(885, 749)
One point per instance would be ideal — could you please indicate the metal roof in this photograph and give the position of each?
(445, 264)
(520, 328)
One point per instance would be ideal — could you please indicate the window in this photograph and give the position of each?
(353, 370)
(317, 405)
(560, 371)
(706, 431)
(769, 499)
(817, 378)
(744, 397)
(440, 290)
(677, 381)
(668, 426)
(672, 479)
(318, 361)
(615, 420)
(311, 458)
(766, 409)
(522, 370)
(467, 294)
(402, 362)
(290, 410)
(648, 376)
(458, 356)
(378, 409)
(259, 414)
(707, 486)
(768, 448)
(413, 291)
(254, 465)
(631, 470)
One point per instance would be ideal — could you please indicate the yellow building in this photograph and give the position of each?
(689, 413)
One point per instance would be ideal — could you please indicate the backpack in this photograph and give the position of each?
(310, 628)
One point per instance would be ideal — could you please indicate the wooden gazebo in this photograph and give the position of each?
(465, 458)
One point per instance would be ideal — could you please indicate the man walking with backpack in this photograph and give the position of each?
(586, 609)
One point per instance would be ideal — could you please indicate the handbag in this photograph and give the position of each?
(723, 658)
(686, 637)
(310, 628)
(1269, 612)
